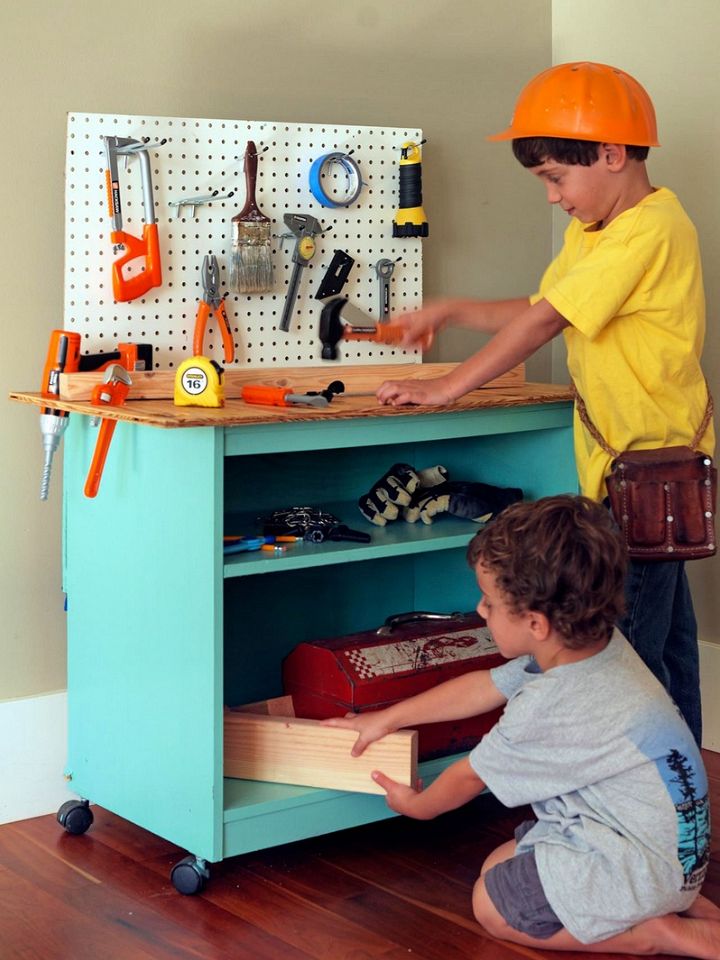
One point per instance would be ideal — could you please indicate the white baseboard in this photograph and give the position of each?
(34, 736)
(32, 756)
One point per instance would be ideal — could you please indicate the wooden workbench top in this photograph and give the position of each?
(511, 390)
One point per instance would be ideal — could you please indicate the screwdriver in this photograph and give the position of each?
(280, 396)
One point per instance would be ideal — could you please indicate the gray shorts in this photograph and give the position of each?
(517, 894)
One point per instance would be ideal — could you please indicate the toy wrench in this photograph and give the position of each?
(211, 300)
(112, 392)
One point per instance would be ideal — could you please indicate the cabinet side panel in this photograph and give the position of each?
(144, 586)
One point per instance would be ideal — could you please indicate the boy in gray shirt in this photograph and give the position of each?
(618, 851)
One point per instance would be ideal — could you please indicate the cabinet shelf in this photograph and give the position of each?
(258, 814)
(396, 538)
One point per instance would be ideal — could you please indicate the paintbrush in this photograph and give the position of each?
(250, 255)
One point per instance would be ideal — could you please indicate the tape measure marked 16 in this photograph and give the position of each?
(199, 383)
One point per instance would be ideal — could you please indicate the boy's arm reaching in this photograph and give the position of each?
(455, 786)
(513, 343)
(487, 316)
(465, 696)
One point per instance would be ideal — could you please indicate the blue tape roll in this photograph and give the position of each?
(316, 173)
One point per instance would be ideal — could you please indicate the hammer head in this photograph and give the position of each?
(331, 328)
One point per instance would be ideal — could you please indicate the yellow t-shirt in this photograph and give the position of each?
(633, 296)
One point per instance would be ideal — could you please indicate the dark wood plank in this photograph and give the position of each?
(387, 891)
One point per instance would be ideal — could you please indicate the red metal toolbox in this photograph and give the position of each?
(374, 669)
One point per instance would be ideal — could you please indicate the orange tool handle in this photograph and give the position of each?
(147, 246)
(225, 329)
(270, 396)
(63, 356)
(92, 484)
(389, 333)
(199, 332)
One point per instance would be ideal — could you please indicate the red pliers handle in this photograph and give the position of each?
(211, 300)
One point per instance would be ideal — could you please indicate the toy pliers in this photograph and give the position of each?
(211, 300)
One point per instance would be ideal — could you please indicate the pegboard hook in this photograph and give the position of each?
(193, 202)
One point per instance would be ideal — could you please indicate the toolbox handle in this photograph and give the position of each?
(414, 616)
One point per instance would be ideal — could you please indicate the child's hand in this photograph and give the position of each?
(426, 392)
(421, 325)
(370, 726)
(401, 798)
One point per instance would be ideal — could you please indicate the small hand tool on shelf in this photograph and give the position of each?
(312, 524)
(410, 219)
(212, 300)
(247, 544)
(250, 255)
(304, 228)
(63, 355)
(112, 392)
(146, 247)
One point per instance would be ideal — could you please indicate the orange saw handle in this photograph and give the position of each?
(147, 246)
(269, 396)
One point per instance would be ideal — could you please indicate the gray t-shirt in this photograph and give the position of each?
(616, 781)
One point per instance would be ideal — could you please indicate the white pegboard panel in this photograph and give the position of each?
(197, 158)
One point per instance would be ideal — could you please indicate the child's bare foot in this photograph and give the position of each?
(702, 909)
(686, 936)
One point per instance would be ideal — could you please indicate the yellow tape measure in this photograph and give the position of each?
(199, 383)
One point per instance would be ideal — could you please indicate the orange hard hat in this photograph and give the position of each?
(584, 101)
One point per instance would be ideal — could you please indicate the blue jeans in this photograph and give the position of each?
(660, 624)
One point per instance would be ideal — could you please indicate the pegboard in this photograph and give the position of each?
(202, 157)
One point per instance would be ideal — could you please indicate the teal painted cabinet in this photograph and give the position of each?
(163, 631)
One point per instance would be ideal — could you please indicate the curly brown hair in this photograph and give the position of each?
(561, 556)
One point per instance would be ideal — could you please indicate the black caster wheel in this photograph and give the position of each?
(75, 816)
(190, 875)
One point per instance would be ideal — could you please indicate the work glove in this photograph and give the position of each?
(470, 501)
(429, 477)
(392, 491)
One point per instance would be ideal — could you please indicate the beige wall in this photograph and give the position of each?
(672, 48)
(450, 66)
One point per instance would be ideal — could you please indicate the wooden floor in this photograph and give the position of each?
(396, 890)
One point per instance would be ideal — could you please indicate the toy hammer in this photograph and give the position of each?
(341, 320)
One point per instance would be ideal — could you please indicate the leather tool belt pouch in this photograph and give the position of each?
(664, 502)
(663, 499)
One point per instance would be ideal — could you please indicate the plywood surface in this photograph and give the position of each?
(163, 413)
(290, 750)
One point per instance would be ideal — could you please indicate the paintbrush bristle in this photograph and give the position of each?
(251, 268)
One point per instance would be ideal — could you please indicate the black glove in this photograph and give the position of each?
(470, 501)
(392, 491)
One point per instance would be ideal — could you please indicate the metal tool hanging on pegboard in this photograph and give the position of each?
(202, 161)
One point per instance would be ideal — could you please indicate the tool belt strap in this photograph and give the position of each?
(600, 440)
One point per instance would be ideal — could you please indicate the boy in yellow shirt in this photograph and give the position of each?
(626, 292)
